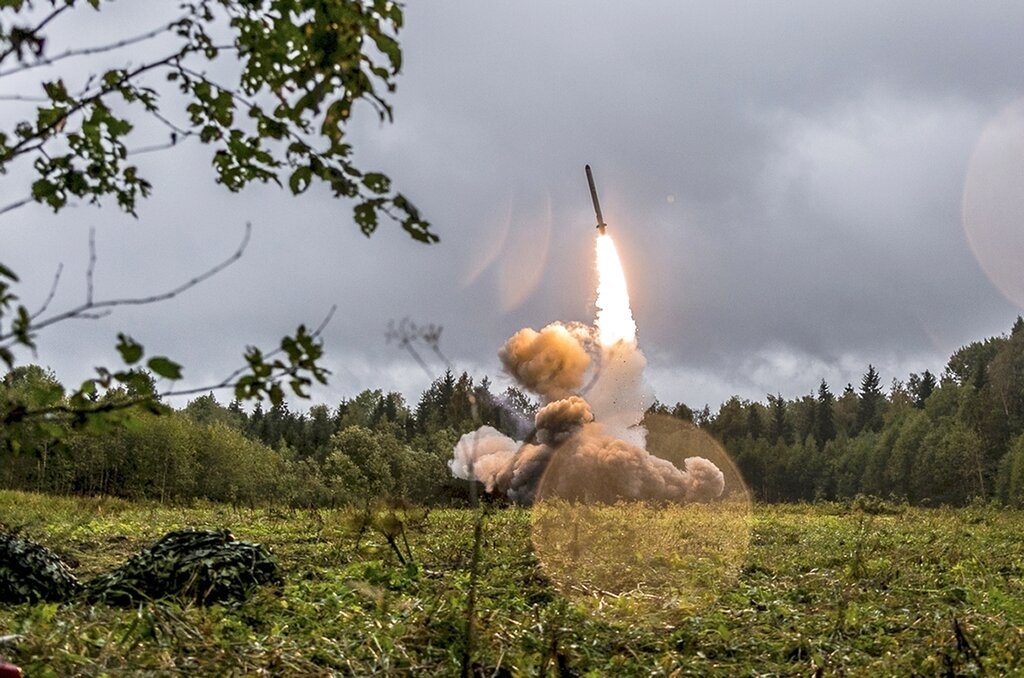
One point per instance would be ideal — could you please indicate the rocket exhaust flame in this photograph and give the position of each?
(614, 318)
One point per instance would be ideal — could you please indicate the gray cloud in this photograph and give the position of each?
(784, 182)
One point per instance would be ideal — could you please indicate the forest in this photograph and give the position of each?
(950, 439)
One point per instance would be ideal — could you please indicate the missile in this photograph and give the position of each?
(597, 206)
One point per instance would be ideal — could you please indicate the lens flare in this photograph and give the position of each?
(614, 318)
(645, 562)
(993, 202)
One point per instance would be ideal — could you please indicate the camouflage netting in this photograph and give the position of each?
(204, 566)
(30, 573)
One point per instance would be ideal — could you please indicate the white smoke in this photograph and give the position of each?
(483, 454)
(588, 441)
(620, 395)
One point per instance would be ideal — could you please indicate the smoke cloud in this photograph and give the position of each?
(557, 421)
(551, 363)
(588, 441)
(484, 454)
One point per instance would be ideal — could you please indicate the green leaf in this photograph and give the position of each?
(366, 216)
(300, 179)
(165, 367)
(131, 351)
(377, 182)
(8, 273)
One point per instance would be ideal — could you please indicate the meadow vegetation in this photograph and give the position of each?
(861, 588)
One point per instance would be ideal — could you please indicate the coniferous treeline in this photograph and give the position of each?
(930, 440)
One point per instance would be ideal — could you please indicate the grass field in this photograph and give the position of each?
(830, 589)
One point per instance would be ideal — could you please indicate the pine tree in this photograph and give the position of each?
(516, 400)
(340, 413)
(681, 411)
(824, 416)
(779, 425)
(704, 417)
(754, 424)
(460, 408)
(254, 427)
(657, 407)
(869, 411)
(236, 409)
(921, 387)
(487, 406)
(804, 415)
(320, 428)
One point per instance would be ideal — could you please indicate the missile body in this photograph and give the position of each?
(597, 206)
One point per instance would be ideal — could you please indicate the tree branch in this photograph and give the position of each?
(42, 133)
(32, 32)
(90, 270)
(15, 205)
(228, 382)
(89, 309)
(406, 334)
(232, 379)
(23, 97)
(85, 51)
(53, 291)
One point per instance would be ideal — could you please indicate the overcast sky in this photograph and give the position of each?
(785, 182)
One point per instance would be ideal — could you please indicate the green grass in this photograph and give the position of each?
(827, 587)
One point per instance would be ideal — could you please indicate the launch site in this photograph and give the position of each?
(362, 337)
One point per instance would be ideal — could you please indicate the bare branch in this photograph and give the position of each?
(15, 205)
(177, 134)
(92, 309)
(408, 334)
(91, 268)
(142, 150)
(23, 97)
(174, 128)
(85, 51)
(53, 291)
(405, 335)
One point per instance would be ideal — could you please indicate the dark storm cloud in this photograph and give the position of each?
(784, 181)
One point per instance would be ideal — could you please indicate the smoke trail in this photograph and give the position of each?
(588, 441)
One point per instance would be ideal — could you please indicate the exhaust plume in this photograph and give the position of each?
(588, 442)
(550, 363)
(483, 454)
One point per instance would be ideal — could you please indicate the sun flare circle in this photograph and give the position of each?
(629, 562)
